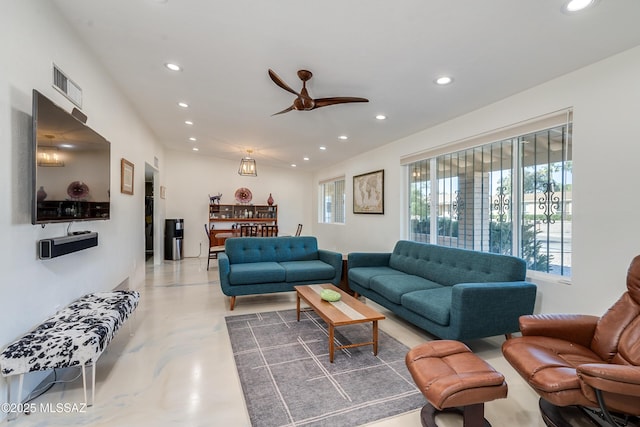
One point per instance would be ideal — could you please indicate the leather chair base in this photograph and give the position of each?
(473, 415)
(576, 416)
(452, 378)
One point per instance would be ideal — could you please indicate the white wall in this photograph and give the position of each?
(606, 101)
(192, 177)
(34, 37)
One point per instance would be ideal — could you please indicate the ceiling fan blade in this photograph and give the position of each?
(277, 80)
(286, 110)
(323, 102)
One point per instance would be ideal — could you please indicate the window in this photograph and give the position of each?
(332, 201)
(510, 197)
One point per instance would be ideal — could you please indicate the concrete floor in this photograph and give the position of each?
(177, 368)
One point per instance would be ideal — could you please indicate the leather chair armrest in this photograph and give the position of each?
(619, 379)
(576, 328)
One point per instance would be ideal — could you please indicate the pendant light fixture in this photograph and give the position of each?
(248, 165)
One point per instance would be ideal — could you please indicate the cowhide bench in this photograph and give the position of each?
(75, 336)
(452, 378)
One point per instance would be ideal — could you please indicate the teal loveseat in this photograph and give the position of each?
(261, 265)
(451, 293)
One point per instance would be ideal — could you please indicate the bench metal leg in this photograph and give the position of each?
(84, 384)
(92, 385)
(130, 321)
(18, 397)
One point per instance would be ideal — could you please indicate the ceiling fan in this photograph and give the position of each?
(304, 102)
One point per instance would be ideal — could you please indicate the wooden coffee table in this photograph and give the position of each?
(347, 311)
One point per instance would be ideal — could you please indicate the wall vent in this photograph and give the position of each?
(66, 86)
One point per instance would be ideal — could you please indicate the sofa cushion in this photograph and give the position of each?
(276, 249)
(363, 275)
(434, 304)
(300, 271)
(450, 266)
(393, 286)
(256, 272)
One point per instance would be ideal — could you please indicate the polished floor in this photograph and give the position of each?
(177, 368)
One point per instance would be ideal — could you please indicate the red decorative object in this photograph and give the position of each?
(270, 200)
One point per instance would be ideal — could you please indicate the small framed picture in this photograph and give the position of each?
(368, 193)
(126, 176)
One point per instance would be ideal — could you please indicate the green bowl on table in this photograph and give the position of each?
(329, 295)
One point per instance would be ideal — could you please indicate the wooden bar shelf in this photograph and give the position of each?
(220, 217)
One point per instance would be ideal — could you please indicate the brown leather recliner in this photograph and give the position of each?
(584, 361)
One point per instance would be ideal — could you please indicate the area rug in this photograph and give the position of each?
(287, 379)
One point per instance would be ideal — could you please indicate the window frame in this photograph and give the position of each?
(337, 201)
(516, 194)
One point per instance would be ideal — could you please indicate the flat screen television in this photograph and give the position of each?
(71, 167)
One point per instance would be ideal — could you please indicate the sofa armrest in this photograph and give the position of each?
(575, 328)
(223, 269)
(335, 260)
(487, 309)
(368, 259)
(619, 379)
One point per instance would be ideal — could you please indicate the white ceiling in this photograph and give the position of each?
(387, 51)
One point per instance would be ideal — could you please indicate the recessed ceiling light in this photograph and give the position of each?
(322, 147)
(381, 117)
(343, 137)
(577, 5)
(192, 139)
(195, 148)
(188, 122)
(293, 165)
(183, 105)
(66, 145)
(444, 80)
(173, 67)
(306, 159)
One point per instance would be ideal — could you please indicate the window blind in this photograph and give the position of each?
(546, 121)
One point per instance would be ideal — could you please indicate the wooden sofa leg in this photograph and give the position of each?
(508, 336)
(233, 303)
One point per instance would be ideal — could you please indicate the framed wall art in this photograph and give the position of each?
(368, 193)
(126, 176)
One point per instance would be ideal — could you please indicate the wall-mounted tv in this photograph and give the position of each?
(71, 167)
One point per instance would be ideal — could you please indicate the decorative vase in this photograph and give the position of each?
(270, 200)
(41, 194)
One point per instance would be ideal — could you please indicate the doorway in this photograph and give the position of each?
(151, 242)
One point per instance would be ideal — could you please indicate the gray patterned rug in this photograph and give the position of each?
(287, 379)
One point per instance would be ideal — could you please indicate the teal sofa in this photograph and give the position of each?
(451, 293)
(261, 265)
